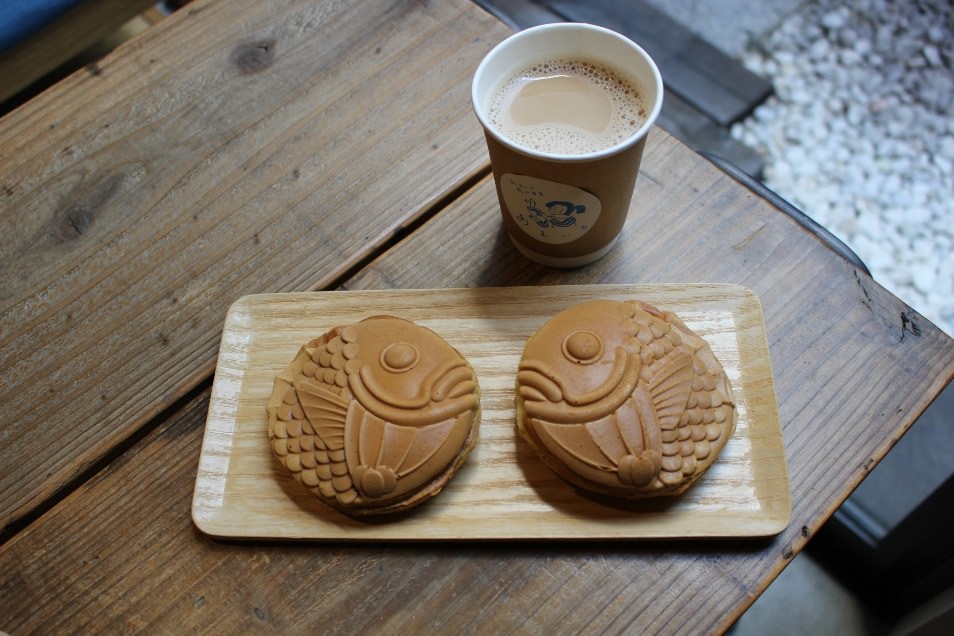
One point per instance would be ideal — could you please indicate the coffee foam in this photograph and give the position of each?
(628, 109)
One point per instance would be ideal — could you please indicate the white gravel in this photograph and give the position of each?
(860, 135)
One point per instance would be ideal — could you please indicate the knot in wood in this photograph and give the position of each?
(253, 57)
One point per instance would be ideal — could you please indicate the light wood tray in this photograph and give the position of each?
(503, 491)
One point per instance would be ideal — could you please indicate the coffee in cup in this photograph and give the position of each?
(566, 109)
(567, 106)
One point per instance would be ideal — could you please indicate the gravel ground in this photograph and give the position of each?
(860, 135)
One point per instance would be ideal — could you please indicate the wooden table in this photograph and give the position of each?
(243, 147)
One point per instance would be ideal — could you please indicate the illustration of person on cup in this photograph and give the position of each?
(557, 214)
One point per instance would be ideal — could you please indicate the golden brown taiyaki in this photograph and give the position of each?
(375, 417)
(623, 399)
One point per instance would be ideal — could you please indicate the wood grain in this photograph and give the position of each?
(237, 147)
(848, 380)
(122, 554)
(128, 533)
(503, 492)
(854, 366)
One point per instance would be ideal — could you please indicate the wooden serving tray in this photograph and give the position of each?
(503, 491)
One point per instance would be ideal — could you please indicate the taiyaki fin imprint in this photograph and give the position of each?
(623, 399)
(375, 417)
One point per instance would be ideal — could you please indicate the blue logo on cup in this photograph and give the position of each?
(557, 214)
(550, 212)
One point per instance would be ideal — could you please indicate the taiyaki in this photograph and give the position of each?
(375, 417)
(623, 399)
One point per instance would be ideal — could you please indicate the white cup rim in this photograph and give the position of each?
(632, 139)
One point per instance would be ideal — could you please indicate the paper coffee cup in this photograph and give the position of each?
(565, 209)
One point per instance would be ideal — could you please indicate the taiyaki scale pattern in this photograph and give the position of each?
(623, 399)
(375, 417)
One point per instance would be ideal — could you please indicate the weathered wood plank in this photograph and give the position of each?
(854, 365)
(836, 337)
(236, 147)
(121, 553)
(686, 123)
(128, 557)
(836, 340)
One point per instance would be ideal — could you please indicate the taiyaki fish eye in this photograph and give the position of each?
(399, 357)
(583, 347)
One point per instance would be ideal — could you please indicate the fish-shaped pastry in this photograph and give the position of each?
(623, 399)
(375, 417)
